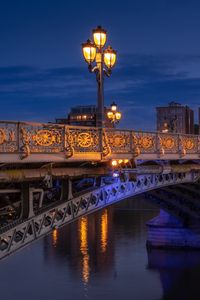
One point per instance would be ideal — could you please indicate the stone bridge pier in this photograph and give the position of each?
(178, 223)
(167, 231)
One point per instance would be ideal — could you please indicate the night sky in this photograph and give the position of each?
(43, 73)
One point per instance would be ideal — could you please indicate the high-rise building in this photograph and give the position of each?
(175, 118)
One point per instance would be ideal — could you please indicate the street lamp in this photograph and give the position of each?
(104, 60)
(165, 128)
(113, 115)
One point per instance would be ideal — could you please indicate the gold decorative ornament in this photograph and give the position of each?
(106, 146)
(135, 139)
(84, 139)
(188, 144)
(146, 142)
(69, 149)
(25, 138)
(135, 148)
(168, 142)
(117, 140)
(12, 136)
(2, 136)
(57, 137)
(44, 138)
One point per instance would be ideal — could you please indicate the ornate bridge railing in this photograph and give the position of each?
(23, 139)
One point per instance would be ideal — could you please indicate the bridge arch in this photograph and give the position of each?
(21, 233)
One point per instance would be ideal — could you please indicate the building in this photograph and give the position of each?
(175, 118)
(196, 128)
(84, 115)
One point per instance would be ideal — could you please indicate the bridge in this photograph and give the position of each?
(35, 157)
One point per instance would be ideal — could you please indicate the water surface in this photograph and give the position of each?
(102, 256)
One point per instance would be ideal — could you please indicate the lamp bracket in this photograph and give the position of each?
(107, 72)
(92, 69)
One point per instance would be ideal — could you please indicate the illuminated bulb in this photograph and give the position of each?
(110, 57)
(114, 163)
(110, 114)
(126, 161)
(89, 51)
(99, 35)
(118, 115)
(113, 106)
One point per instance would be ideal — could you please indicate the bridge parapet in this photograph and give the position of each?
(23, 141)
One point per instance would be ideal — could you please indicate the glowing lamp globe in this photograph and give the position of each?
(118, 116)
(110, 115)
(99, 36)
(110, 57)
(113, 106)
(89, 51)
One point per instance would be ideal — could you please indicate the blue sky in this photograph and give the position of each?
(42, 72)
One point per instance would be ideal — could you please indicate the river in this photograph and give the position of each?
(101, 256)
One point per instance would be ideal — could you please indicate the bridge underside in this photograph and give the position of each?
(36, 221)
(10, 172)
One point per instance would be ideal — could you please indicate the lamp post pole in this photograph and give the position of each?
(105, 60)
(100, 91)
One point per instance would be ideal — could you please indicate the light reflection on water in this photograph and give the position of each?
(101, 256)
(104, 230)
(84, 249)
(55, 237)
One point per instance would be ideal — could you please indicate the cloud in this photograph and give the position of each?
(138, 84)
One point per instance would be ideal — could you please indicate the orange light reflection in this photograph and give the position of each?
(84, 249)
(104, 231)
(55, 237)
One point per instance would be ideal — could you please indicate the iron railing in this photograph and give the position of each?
(27, 138)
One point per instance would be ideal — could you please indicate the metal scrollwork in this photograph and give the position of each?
(84, 139)
(146, 142)
(189, 144)
(69, 149)
(25, 149)
(106, 146)
(160, 149)
(12, 136)
(168, 142)
(2, 136)
(117, 140)
(182, 150)
(43, 138)
(136, 149)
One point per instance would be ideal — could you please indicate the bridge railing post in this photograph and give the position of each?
(157, 144)
(100, 129)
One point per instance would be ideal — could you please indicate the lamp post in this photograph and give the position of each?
(104, 60)
(165, 128)
(113, 115)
